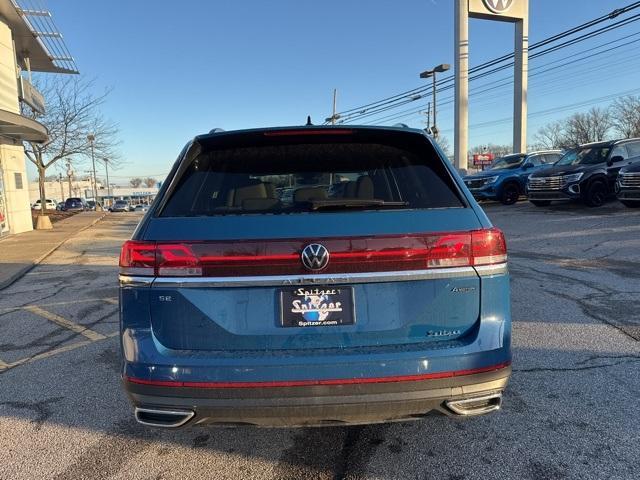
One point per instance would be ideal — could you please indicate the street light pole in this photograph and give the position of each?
(91, 137)
(432, 73)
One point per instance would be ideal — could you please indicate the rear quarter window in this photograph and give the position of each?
(311, 177)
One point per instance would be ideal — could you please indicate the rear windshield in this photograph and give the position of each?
(73, 200)
(311, 177)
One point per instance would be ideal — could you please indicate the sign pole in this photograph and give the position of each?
(461, 127)
(521, 74)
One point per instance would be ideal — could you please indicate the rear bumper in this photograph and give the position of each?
(313, 405)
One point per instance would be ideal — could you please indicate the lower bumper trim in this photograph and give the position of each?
(307, 383)
(329, 404)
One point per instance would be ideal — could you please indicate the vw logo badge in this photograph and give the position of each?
(498, 6)
(315, 256)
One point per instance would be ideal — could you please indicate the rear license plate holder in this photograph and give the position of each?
(314, 306)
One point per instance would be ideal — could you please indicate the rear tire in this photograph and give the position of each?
(541, 203)
(631, 204)
(510, 194)
(596, 194)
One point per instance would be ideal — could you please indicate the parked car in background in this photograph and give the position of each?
(120, 206)
(628, 184)
(243, 305)
(142, 207)
(91, 204)
(74, 204)
(49, 205)
(505, 180)
(587, 173)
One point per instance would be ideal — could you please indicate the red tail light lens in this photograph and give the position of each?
(177, 260)
(282, 257)
(138, 258)
(488, 247)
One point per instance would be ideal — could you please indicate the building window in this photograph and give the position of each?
(18, 177)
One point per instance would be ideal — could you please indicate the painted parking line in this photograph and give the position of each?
(111, 300)
(63, 322)
(52, 352)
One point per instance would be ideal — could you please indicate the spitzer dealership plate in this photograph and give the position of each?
(317, 306)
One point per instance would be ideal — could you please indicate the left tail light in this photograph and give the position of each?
(138, 258)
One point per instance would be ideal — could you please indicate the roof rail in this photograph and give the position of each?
(400, 125)
(216, 130)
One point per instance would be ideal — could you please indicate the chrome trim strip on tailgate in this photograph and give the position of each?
(488, 270)
(326, 279)
(321, 279)
(133, 281)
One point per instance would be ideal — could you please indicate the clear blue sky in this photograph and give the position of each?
(179, 68)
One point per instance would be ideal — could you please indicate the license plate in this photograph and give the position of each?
(317, 306)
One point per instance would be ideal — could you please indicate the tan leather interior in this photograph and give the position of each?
(307, 194)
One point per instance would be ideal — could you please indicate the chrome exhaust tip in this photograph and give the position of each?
(476, 405)
(163, 418)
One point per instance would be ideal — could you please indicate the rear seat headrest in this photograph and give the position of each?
(307, 194)
(237, 195)
(364, 187)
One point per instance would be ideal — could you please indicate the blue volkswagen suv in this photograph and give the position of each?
(313, 276)
(506, 179)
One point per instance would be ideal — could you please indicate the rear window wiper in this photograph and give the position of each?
(353, 203)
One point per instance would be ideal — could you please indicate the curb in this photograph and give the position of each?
(21, 273)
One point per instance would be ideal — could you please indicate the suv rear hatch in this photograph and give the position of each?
(227, 238)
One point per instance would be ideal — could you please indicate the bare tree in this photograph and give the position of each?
(150, 182)
(445, 145)
(552, 135)
(591, 126)
(73, 112)
(625, 116)
(135, 182)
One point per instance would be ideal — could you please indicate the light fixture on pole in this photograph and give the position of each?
(432, 74)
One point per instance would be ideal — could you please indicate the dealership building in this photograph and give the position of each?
(27, 38)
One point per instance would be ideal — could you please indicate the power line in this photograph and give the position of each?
(354, 113)
(539, 72)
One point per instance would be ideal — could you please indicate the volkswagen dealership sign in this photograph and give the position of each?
(498, 6)
(503, 10)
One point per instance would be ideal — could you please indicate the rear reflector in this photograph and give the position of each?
(306, 383)
(282, 257)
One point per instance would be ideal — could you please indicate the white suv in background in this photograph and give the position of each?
(50, 205)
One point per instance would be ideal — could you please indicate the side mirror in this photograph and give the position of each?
(616, 159)
(527, 166)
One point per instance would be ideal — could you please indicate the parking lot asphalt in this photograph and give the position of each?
(571, 409)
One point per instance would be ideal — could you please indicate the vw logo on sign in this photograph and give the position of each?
(498, 6)
(315, 256)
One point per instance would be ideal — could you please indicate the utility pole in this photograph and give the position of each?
(335, 103)
(334, 114)
(106, 168)
(428, 117)
(69, 174)
(61, 189)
